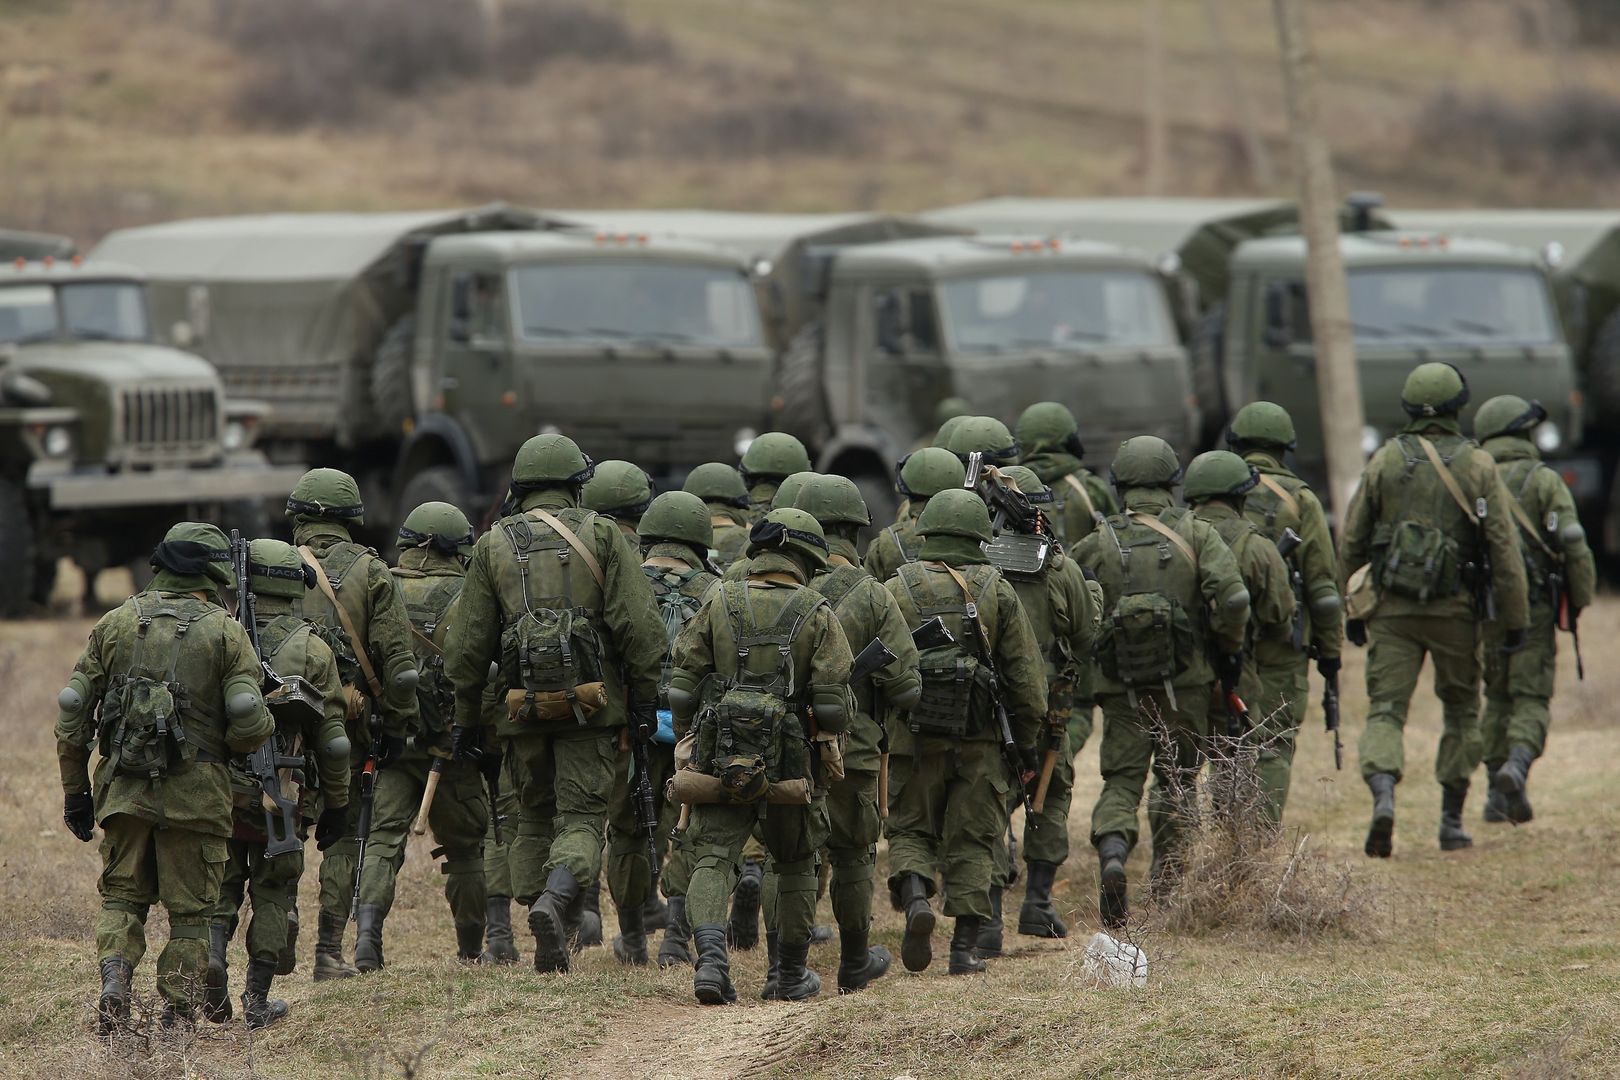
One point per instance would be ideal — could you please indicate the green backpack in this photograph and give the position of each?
(146, 709)
(289, 635)
(1149, 638)
(956, 683)
(1413, 557)
(677, 607)
(427, 601)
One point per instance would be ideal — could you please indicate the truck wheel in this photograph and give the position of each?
(1207, 357)
(799, 386)
(391, 395)
(437, 483)
(19, 585)
(1603, 372)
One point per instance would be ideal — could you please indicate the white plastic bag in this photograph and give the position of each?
(1115, 963)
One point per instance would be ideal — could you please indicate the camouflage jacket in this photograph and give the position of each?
(1284, 501)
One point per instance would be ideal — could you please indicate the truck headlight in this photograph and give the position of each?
(1370, 441)
(57, 442)
(1548, 437)
(742, 440)
(235, 435)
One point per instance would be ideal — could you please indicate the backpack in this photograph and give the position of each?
(956, 683)
(1149, 639)
(1414, 557)
(752, 735)
(289, 635)
(677, 607)
(146, 713)
(427, 602)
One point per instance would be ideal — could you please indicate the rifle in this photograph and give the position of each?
(646, 804)
(1237, 715)
(1009, 746)
(1566, 617)
(1010, 509)
(368, 798)
(1287, 544)
(1330, 717)
(873, 659)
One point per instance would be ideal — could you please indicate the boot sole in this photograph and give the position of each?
(1507, 783)
(1113, 899)
(713, 993)
(744, 922)
(1040, 925)
(1380, 839)
(916, 950)
(1462, 844)
(550, 941)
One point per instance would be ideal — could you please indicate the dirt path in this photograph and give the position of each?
(689, 1042)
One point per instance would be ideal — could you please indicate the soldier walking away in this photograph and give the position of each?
(621, 490)
(557, 599)
(783, 498)
(867, 612)
(266, 857)
(970, 741)
(166, 690)
(1434, 523)
(722, 490)
(764, 744)
(1562, 579)
(359, 605)
(770, 459)
(1175, 612)
(1049, 440)
(920, 475)
(1263, 433)
(983, 435)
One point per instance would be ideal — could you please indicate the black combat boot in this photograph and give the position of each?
(1381, 833)
(771, 991)
(112, 1009)
(916, 948)
(368, 941)
(1037, 916)
(711, 983)
(470, 943)
(329, 962)
(498, 930)
(1512, 780)
(674, 949)
(1452, 837)
(988, 946)
(654, 913)
(859, 962)
(964, 956)
(258, 1007)
(287, 961)
(1113, 899)
(216, 982)
(548, 919)
(630, 945)
(796, 981)
(1496, 804)
(586, 923)
(745, 906)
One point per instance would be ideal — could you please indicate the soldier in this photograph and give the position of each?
(434, 544)
(983, 435)
(1562, 580)
(1433, 521)
(676, 536)
(358, 602)
(1049, 440)
(919, 476)
(779, 666)
(277, 577)
(770, 459)
(722, 489)
(622, 491)
(1262, 433)
(1215, 487)
(166, 690)
(867, 612)
(557, 598)
(952, 781)
(1172, 599)
(785, 495)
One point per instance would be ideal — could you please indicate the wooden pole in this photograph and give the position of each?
(1157, 150)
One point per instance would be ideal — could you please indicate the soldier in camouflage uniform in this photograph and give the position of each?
(919, 476)
(1263, 433)
(357, 600)
(556, 597)
(278, 577)
(1049, 440)
(1215, 487)
(783, 498)
(622, 491)
(867, 612)
(434, 544)
(980, 435)
(499, 945)
(1429, 516)
(1172, 599)
(722, 490)
(1518, 686)
(770, 459)
(167, 689)
(952, 785)
(777, 667)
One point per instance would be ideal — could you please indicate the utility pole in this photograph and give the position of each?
(1338, 382)
(1254, 147)
(1157, 150)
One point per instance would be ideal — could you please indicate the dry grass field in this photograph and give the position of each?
(1500, 961)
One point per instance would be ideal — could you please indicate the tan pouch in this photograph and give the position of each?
(686, 749)
(354, 704)
(1360, 598)
(699, 789)
(549, 706)
(830, 748)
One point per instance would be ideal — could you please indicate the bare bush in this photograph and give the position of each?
(799, 113)
(1574, 131)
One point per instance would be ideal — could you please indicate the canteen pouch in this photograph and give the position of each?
(1147, 641)
(1419, 562)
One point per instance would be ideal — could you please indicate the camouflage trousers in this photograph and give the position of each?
(792, 835)
(947, 812)
(271, 885)
(338, 860)
(1133, 744)
(629, 876)
(1519, 687)
(563, 785)
(459, 818)
(1275, 685)
(1396, 647)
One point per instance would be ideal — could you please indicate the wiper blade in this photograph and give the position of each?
(607, 332)
(87, 334)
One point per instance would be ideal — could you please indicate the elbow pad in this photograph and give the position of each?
(243, 700)
(904, 692)
(831, 706)
(1571, 535)
(337, 749)
(72, 704)
(1325, 607)
(405, 680)
(1237, 602)
(682, 693)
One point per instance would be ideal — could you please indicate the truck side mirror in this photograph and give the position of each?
(890, 335)
(1276, 315)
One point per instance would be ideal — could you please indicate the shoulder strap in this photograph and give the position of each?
(574, 542)
(1516, 508)
(1085, 496)
(1165, 531)
(355, 643)
(837, 585)
(1447, 479)
(1281, 492)
(972, 608)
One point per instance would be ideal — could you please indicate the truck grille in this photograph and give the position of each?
(170, 424)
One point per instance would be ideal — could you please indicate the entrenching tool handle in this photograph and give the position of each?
(883, 785)
(1048, 763)
(435, 771)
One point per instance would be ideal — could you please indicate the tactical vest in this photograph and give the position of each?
(1423, 548)
(151, 724)
(679, 596)
(341, 562)
(284, 645)
(427, 600)
(1271, 510)
(956, 685)
(1151, 636)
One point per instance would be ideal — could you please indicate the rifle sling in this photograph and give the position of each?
(348, 624)
(574, 542)
(1085, 497)
(1165, 531)
(1448, 480)
(967, 596)
(1281, 492)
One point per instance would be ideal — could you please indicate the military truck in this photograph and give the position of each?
(34, 246)
(107, 438)
(419, 350)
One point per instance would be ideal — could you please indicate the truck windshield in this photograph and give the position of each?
(1062, 308)
(1450, 303)
(622, 300)
(93, 310)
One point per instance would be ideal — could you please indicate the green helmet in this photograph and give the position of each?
(1145, 461)
(196, 549)
(1262, 423)
(787, 492)
(679, 517)
(1507, 414)
(715, 481)
(834, 500)
(773, 456)
(1049, 425)
(949, 409)
(942, 437)
(1434, 389)
(619, 489)
(926, 472)
(791, 528)
(440, 526)
(1032, 487)
(327, 493)
(551, 460)
(1219, 472)
(276, 569)
(956, 513)
(982, 434)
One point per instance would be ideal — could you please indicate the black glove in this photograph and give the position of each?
(1355, 632)
(79, 811)
(1029, 760)
(1514, 641)
(330, 826)
(1328, 666)
(390, 750)
(489, 764)
(466, 743)
(1229, 666)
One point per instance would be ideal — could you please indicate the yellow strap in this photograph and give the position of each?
(1447, 479)
(574, 542)
(1281, 492)
(1085, 496)
(425, 640)
(348, 626)
(1165, 531)
(720, 519)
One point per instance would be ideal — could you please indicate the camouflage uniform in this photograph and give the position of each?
(920, 475)
(722, 490)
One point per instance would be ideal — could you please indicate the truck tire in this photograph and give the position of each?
(1603, 374)
(436, 483)
(19, 584)
(391, 396)
(1206, 355)
(799, 392)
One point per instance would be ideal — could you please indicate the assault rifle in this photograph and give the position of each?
(873, 659)
(1009, 746)
(646, 804)
(368, 800)
(1287, 544)
(1330, 717)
